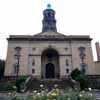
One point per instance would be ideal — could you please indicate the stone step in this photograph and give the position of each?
(50, 83)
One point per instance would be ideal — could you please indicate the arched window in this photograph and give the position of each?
(17, 54)
(17, 49)
(82, 50)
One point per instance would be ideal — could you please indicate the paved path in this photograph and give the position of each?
(97, 95)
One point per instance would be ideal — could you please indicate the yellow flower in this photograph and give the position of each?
(54, 93)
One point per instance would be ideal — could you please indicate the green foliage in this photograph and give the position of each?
(75, 73)
(30, 98)
(20, 83)
(7, 86)
(68, 94)
(80, 77)
(71, 94)
(44, 97)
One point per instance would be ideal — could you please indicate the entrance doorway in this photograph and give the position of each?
(50, 71)
(50, 64)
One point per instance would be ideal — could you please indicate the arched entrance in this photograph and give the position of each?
(50, 70)
(50, 64)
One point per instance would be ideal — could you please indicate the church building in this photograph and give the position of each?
(49, 54)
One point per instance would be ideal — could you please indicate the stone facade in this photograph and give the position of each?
(31, 52)
(97, 67)
(97, 63)
(49, 54)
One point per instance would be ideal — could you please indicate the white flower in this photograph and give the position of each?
(38, 93)
(14, 87)
(55, 85)
(35, 91)
(89, 89)
(9, 93)
(80, 95)
(83, 91)
(75, 88)
(46, 90)
(41, 85)
(42, 91)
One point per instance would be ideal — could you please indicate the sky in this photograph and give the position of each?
(24, 17)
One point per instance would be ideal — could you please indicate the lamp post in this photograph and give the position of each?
(18, 59)
(83, 65)
(18, 49)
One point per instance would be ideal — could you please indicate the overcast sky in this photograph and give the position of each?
(74, 17)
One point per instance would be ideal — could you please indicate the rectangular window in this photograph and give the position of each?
(67, 70)
(67, 64)
(33, 71)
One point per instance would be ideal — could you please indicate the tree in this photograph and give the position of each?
(80, 77)
(2, 67)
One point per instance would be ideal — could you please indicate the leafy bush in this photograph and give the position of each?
(20, 83)
(7, 86)
(80, 77)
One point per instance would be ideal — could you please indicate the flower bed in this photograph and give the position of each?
(54, 94)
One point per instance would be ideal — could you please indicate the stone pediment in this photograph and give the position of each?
(49, 36)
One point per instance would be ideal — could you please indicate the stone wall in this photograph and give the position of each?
(33, 50)
(97, 67)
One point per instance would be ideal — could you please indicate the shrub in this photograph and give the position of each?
(20, 83)
(80, 77)
(7, 86)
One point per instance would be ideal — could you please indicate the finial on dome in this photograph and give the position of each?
(49, 21)
(49, 6)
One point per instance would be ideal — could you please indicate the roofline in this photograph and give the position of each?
(48, 38)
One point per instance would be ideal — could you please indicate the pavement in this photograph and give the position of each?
(97, 95)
